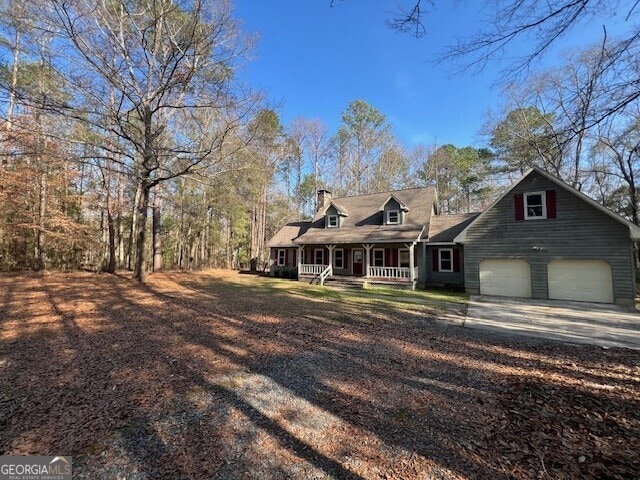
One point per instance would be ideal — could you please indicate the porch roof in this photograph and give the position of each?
(284, 237)
(366, 234)
(444, 228)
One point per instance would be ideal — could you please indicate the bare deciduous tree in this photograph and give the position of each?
(158, 58)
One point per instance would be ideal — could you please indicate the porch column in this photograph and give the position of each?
(411, 246)
(367, 249)
(300, 250)
(331, 249)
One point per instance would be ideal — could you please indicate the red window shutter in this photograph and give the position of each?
(551, 204)
(456, 260)
(286, 256)
(519, 200)
(435, 260)
(387, 257)
(295, 257)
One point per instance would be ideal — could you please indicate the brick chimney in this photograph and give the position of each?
(323, 199)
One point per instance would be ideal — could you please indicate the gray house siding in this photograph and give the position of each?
(421, 256)
(443, 278)
(419, 260)
(290, 266)
(579, 231)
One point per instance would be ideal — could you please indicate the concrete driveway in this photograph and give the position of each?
(575, 322)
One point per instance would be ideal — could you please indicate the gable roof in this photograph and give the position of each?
(402, 206)
(634, 230)
(444, 228)
(364, 222)
(340, 209)
(284, 237)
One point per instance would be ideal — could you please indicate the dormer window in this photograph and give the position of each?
(332, 216)
(393, 217)
(535, 206)
(392, 211)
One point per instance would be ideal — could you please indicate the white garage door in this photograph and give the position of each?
(581, 280)
(505, 277)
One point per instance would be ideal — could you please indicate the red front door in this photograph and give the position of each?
(358, 258)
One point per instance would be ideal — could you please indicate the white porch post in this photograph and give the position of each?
(300, 250)
(412, 273)
(367, 249)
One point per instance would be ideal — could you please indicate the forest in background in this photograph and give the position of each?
(128, 140)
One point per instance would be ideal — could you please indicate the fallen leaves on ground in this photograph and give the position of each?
(221, 375)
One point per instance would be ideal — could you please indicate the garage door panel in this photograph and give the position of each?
(505, 277)
(580, 280)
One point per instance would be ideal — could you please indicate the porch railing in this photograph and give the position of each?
(310, 269)
(327, 272)
(403, 273)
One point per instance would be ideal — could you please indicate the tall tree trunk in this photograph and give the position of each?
(41, 147)
(134, 223)
(253, 247)
(156, 230)
(206, 250)
(229, 244)
(263, 229)
(40, 263)
(633, 200)
(14, 79)
(111, 265)
(119, 220)
(139, 273)
(181, 234)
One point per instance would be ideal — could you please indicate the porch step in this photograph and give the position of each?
(344, 283)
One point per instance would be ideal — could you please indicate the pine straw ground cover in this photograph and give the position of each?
(221, 375)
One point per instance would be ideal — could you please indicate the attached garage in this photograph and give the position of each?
(506, 277)
(580, 280)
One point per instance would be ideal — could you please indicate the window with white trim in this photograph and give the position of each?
(318, 256)
(445, 259)
(378, 257)
(338, 258)
(332, 221)
(393, 217)
(404, 259)
(535, 206)
(282, 257)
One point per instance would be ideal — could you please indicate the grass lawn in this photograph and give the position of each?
(230, 376)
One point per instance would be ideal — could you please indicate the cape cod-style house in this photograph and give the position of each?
(373, 238)
(541, 239)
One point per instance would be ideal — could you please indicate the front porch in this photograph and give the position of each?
(364, 265)
(364, 281)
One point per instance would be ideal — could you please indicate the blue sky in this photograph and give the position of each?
(312, 60)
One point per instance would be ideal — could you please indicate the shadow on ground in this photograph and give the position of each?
(203, 376)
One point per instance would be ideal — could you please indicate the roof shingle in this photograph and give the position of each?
(284, 237)
(444, 228)
(364, 221)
